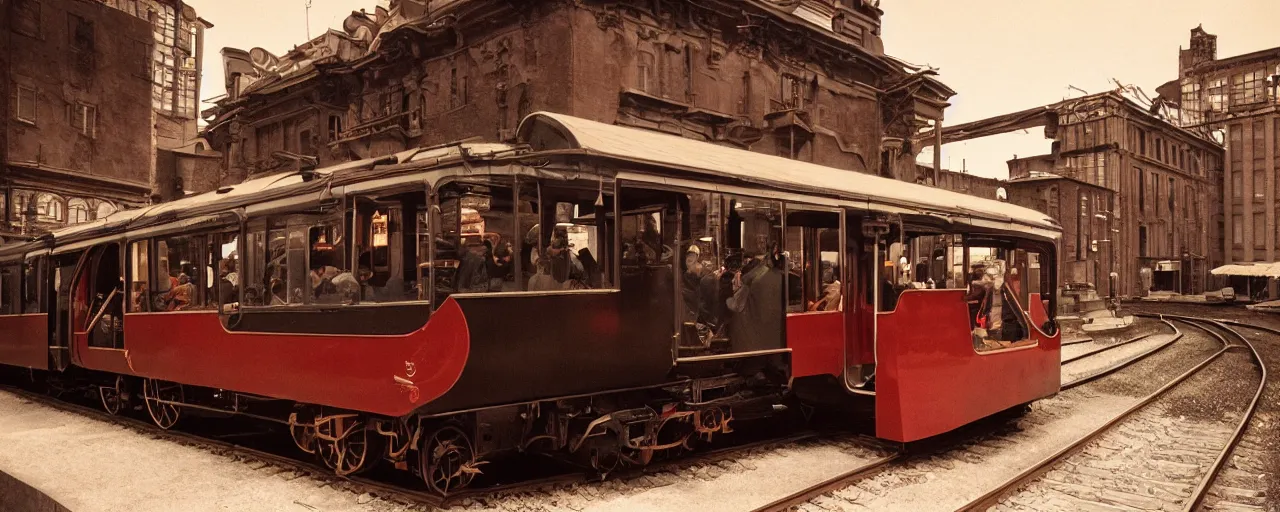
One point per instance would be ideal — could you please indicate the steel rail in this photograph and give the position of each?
(1202, 490)
(1077, 341)
(993, 496)
(1177, 335)
(838, 482)
(385, 490)
(1107, 348)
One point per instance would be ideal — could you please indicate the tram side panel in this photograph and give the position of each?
(817, 343)
(391, 375)
(931, 380)
(528, 347)
(24, 340)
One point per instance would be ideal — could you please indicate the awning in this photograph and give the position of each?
(1249, 270)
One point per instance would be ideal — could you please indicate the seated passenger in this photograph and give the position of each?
(831, 294)
(542, 280)
(498, 264)
(179, 297)
(348, 287)
(473, 275)
(976, 298)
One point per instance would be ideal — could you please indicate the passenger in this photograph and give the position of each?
(136, 297)
(498, 264)
(976, 298)
(564, 264)
(708, 290)
(922, 270)
(542, 280)
(831, 293)
(473, 276)
(322, 278)
(690, 282)
(179, 297)
(350, 287)
(758, 324)
(728, 284)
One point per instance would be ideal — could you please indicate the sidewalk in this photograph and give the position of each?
(89, 465)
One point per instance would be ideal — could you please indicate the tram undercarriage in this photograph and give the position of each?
(601, 432)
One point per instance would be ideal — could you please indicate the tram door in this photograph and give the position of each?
(62, 274)
(99, 310)
(860, 316)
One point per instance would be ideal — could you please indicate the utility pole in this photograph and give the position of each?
(308, 16)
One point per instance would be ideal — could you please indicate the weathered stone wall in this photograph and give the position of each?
(109, 73)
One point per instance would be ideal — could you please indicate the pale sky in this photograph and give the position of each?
(999, 55)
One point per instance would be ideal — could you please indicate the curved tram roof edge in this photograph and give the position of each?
(589, 139)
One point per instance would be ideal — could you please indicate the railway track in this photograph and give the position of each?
(392, 492)
(871, 469)
(1178, 465)
(1096, 373)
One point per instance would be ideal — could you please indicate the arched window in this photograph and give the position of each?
(78, 211)
(105, 209)
(50, 208)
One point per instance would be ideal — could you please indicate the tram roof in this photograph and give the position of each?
(594, 139)
(659, 149)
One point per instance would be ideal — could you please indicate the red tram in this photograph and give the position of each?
(599, 291)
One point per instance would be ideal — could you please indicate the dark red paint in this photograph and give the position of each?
(817, 343)
(24, 341)
(930, 380)
(389, 375)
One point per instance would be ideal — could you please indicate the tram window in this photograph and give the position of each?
(753, 274)
(528, 213)
(10, 290)
(138, 273)
(578, 244)
(33, 274)
(259, 264)
(387, 243)
(813, 261)
(998, 320)
(330, 280)
(701, 259)
(177, 275)
(223, 253)
(275, 287)
(474, 246)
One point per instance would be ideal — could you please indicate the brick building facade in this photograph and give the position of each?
(1136, 194)
(94, 92)
(77, 113)
(808, 80)
(1239, 98)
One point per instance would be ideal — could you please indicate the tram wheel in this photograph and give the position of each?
(447, 460)
(163, 399)
(113, 397)
(304, 433)
(344, 445)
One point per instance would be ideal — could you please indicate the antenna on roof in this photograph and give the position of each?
(308, 9)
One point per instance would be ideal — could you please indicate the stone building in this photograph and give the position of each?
(95, 93)
(76, 89)
(183, 162)
(1136, 194)
(964, 183)
(806, 79)
(1237, 98)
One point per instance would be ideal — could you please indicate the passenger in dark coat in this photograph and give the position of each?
(759, 325)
